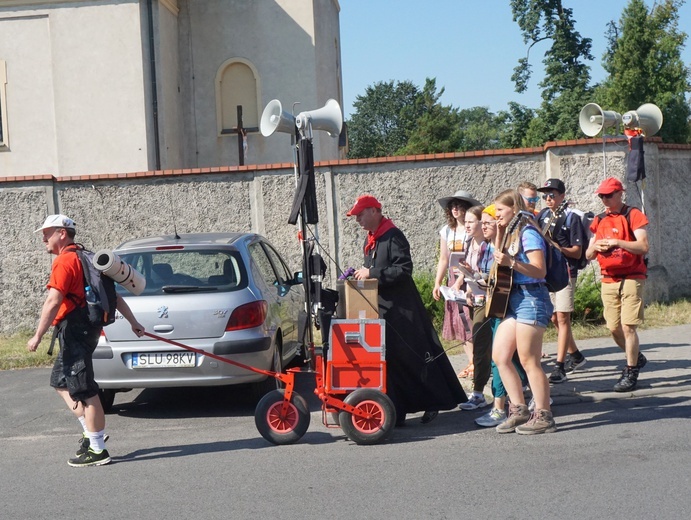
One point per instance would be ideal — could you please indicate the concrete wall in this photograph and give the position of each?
(278, 38)
(109, 209)
(79, 80)
(75, 97)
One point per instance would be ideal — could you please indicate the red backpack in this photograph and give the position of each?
(617, 261)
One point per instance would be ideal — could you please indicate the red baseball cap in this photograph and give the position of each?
(363, 202)
(609, 185)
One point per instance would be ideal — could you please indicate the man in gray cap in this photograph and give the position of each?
(65, 308)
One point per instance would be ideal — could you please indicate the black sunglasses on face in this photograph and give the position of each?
(606, 195)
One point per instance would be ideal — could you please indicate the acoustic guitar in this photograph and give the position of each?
(500, 277)
(550, 223)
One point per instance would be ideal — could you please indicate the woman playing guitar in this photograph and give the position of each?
(528, 313)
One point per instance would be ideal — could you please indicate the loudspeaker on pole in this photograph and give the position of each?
(327, 118)
(275, 119)
(593, 119)
(648, 117)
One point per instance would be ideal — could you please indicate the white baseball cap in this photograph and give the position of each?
(57, 221)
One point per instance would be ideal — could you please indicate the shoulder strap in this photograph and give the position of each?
(85, 275)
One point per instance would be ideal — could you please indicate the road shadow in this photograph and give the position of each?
(625, 411)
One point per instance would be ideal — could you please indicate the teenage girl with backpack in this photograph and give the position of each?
(528, 313)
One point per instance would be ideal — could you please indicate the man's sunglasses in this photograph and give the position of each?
(532, 200)
(548, 196)
(606, 195)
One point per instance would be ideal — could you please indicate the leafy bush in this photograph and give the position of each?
(587, 300)
(435, 309)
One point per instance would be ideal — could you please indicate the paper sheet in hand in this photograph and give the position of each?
(474, 286)
(450, 295)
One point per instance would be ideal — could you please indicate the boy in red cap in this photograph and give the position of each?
(620, 242)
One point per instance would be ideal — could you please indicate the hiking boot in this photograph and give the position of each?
(642, 360)
(628, 380)
(540, 422)
(491, 419)
(571, 365)
(531, 404)
(518, 414)
(90, 458)
(474, 403)
(84, 444)
(557, 376)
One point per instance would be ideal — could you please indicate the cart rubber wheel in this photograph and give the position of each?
(282, 430)
(378, 427)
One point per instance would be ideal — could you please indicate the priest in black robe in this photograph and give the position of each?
(419, 374)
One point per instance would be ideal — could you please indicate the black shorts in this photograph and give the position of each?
(73, 368)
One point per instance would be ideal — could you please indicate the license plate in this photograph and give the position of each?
(164, 360)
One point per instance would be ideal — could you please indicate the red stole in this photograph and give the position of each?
(385, 225)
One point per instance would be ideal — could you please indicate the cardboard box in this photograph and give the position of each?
(358, 299)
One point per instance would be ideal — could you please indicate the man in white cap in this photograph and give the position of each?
(65, 308)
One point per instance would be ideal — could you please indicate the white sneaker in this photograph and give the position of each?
(494, 418)
(474, 403)
(531, 404)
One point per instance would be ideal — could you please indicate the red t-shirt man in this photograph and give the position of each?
(67, 277)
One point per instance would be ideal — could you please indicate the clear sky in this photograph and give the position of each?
(470, 46)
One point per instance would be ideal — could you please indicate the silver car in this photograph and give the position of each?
(229, 294)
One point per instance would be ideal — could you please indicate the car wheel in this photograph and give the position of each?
(377, 426)
(277, 427)
(262, 388)
(107, 398)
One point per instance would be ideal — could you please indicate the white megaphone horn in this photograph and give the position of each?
(647, 117)
(275, 119)
(593, 119)
(327, 118)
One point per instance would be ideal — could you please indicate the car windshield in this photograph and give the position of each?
(187, 270)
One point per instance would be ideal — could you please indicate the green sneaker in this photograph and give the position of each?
(85, 442)
(90, 458)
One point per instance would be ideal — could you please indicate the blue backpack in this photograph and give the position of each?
(557, 276)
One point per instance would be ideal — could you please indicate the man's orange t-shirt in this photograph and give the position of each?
(636, 220)
(67, 277)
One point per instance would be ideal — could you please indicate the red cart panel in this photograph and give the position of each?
(356, 356)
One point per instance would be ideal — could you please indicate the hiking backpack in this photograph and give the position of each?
(99, 290)
(586, 219)
(557, 276)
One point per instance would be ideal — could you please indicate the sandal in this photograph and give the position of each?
(466, 372)
(429, 416)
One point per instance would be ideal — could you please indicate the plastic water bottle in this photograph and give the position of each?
(90, 295)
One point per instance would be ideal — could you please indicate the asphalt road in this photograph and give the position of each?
(196, 453)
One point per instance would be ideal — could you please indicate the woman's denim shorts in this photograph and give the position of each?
(530, 304)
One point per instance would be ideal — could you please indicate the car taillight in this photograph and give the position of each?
(248, 316)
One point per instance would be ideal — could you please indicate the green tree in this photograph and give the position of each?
(644, 63)
(514, 125)
(437, 128)
(383, 119)
(565, 87)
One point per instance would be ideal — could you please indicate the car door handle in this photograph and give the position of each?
(163, 328)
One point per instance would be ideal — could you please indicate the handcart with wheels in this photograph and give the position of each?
(350, 381)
